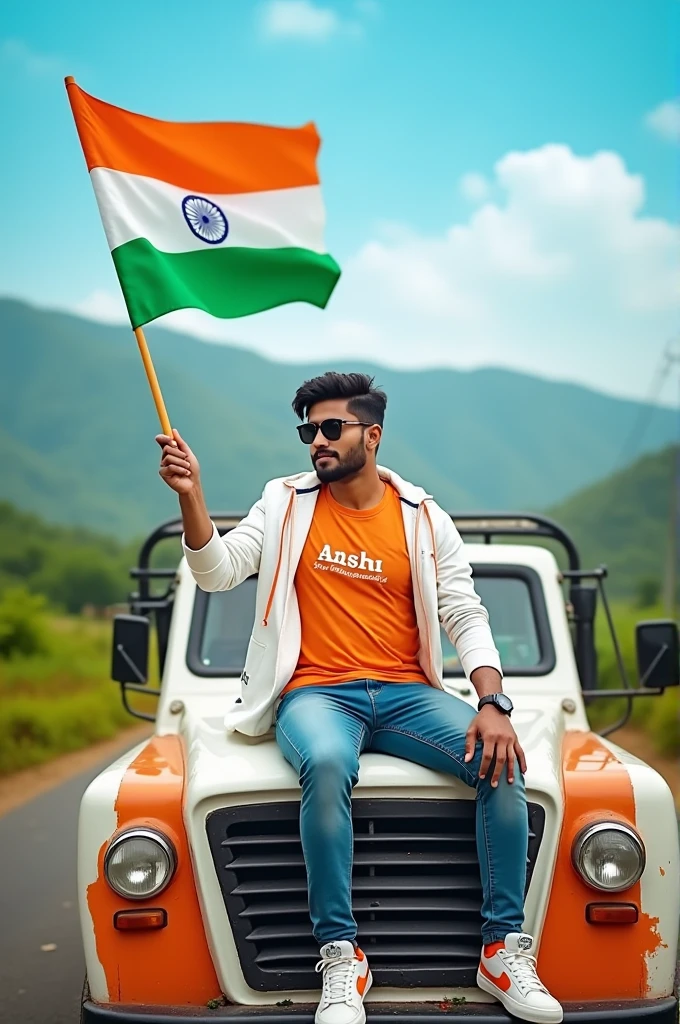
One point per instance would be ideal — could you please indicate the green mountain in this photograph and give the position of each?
(77, 425)
(623, 522)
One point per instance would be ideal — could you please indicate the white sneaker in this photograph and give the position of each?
(346, 980)
(510, 976)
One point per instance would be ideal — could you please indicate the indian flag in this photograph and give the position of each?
(224, 217)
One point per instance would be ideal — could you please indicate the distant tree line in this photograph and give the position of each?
(71, 567)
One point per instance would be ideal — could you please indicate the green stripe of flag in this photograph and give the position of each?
(226, 282)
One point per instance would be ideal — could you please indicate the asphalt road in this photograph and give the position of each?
(38, 907)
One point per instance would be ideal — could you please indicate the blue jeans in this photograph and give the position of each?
(322, 730)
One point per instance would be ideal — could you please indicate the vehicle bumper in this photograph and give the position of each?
(649, 1011)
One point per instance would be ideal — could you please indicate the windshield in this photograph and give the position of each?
(513, 597)
(511, 615)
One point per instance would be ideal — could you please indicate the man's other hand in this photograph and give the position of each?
(499, 738)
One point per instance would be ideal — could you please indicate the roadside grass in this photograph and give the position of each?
(62, 699)
(659, 717)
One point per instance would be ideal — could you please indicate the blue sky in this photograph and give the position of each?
(500, 179)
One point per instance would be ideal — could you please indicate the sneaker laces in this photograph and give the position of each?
(337, 977)
(524, 973)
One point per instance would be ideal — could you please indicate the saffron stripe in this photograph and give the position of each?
(219, 157)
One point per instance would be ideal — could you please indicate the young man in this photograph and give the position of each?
(356, 570)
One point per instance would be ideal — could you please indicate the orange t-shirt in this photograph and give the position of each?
(355, 594)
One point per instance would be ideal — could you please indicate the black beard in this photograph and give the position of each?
(353, 462)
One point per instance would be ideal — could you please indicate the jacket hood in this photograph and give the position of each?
(410, 492)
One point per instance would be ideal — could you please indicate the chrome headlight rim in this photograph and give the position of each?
(579, 846)
(154, 836)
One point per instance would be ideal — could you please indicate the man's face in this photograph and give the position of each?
(337, 460)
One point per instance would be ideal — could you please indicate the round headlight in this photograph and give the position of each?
(139, 863)
(609, 856)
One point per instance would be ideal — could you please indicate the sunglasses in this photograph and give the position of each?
(331, 429)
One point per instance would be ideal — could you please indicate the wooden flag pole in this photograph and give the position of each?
(153, 382)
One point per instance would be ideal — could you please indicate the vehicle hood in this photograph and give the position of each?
(229, 768)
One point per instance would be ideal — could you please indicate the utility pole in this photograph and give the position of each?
(670, 590)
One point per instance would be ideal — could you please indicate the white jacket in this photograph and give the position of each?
(269, 541)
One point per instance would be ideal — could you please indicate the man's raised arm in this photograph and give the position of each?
(216, 563)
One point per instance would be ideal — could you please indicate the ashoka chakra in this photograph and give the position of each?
(205, 219)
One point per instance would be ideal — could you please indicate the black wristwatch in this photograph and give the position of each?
(500, 701)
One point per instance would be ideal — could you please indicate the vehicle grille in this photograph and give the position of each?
(416, 891)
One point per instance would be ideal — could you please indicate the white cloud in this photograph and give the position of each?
(302, 19)
(665, 120)
(311, 22)
(104, 306)
(371, 8)
(474, 187)
(563, 276)
(15, 52)
(567, 223)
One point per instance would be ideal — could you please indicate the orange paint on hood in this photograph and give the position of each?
(581, 961)
(171, 965)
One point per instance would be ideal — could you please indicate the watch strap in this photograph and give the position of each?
(490, 698)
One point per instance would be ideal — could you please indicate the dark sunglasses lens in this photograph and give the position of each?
(307, 432)
(331, 429)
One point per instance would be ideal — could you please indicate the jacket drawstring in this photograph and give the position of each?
(270, 599)
(434, 540)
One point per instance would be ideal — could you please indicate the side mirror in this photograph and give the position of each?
(658, 653)
(130, 655)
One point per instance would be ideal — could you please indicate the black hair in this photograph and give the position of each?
(363, 399)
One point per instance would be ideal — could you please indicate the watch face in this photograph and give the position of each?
(503, 702)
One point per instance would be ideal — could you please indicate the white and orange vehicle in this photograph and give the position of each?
(192, 884)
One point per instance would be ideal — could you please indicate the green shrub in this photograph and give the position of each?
(658, 716)
(23, 626)
(61, 699)
(662, 722)
(34, 730)
(75, 577)
(648, 592)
